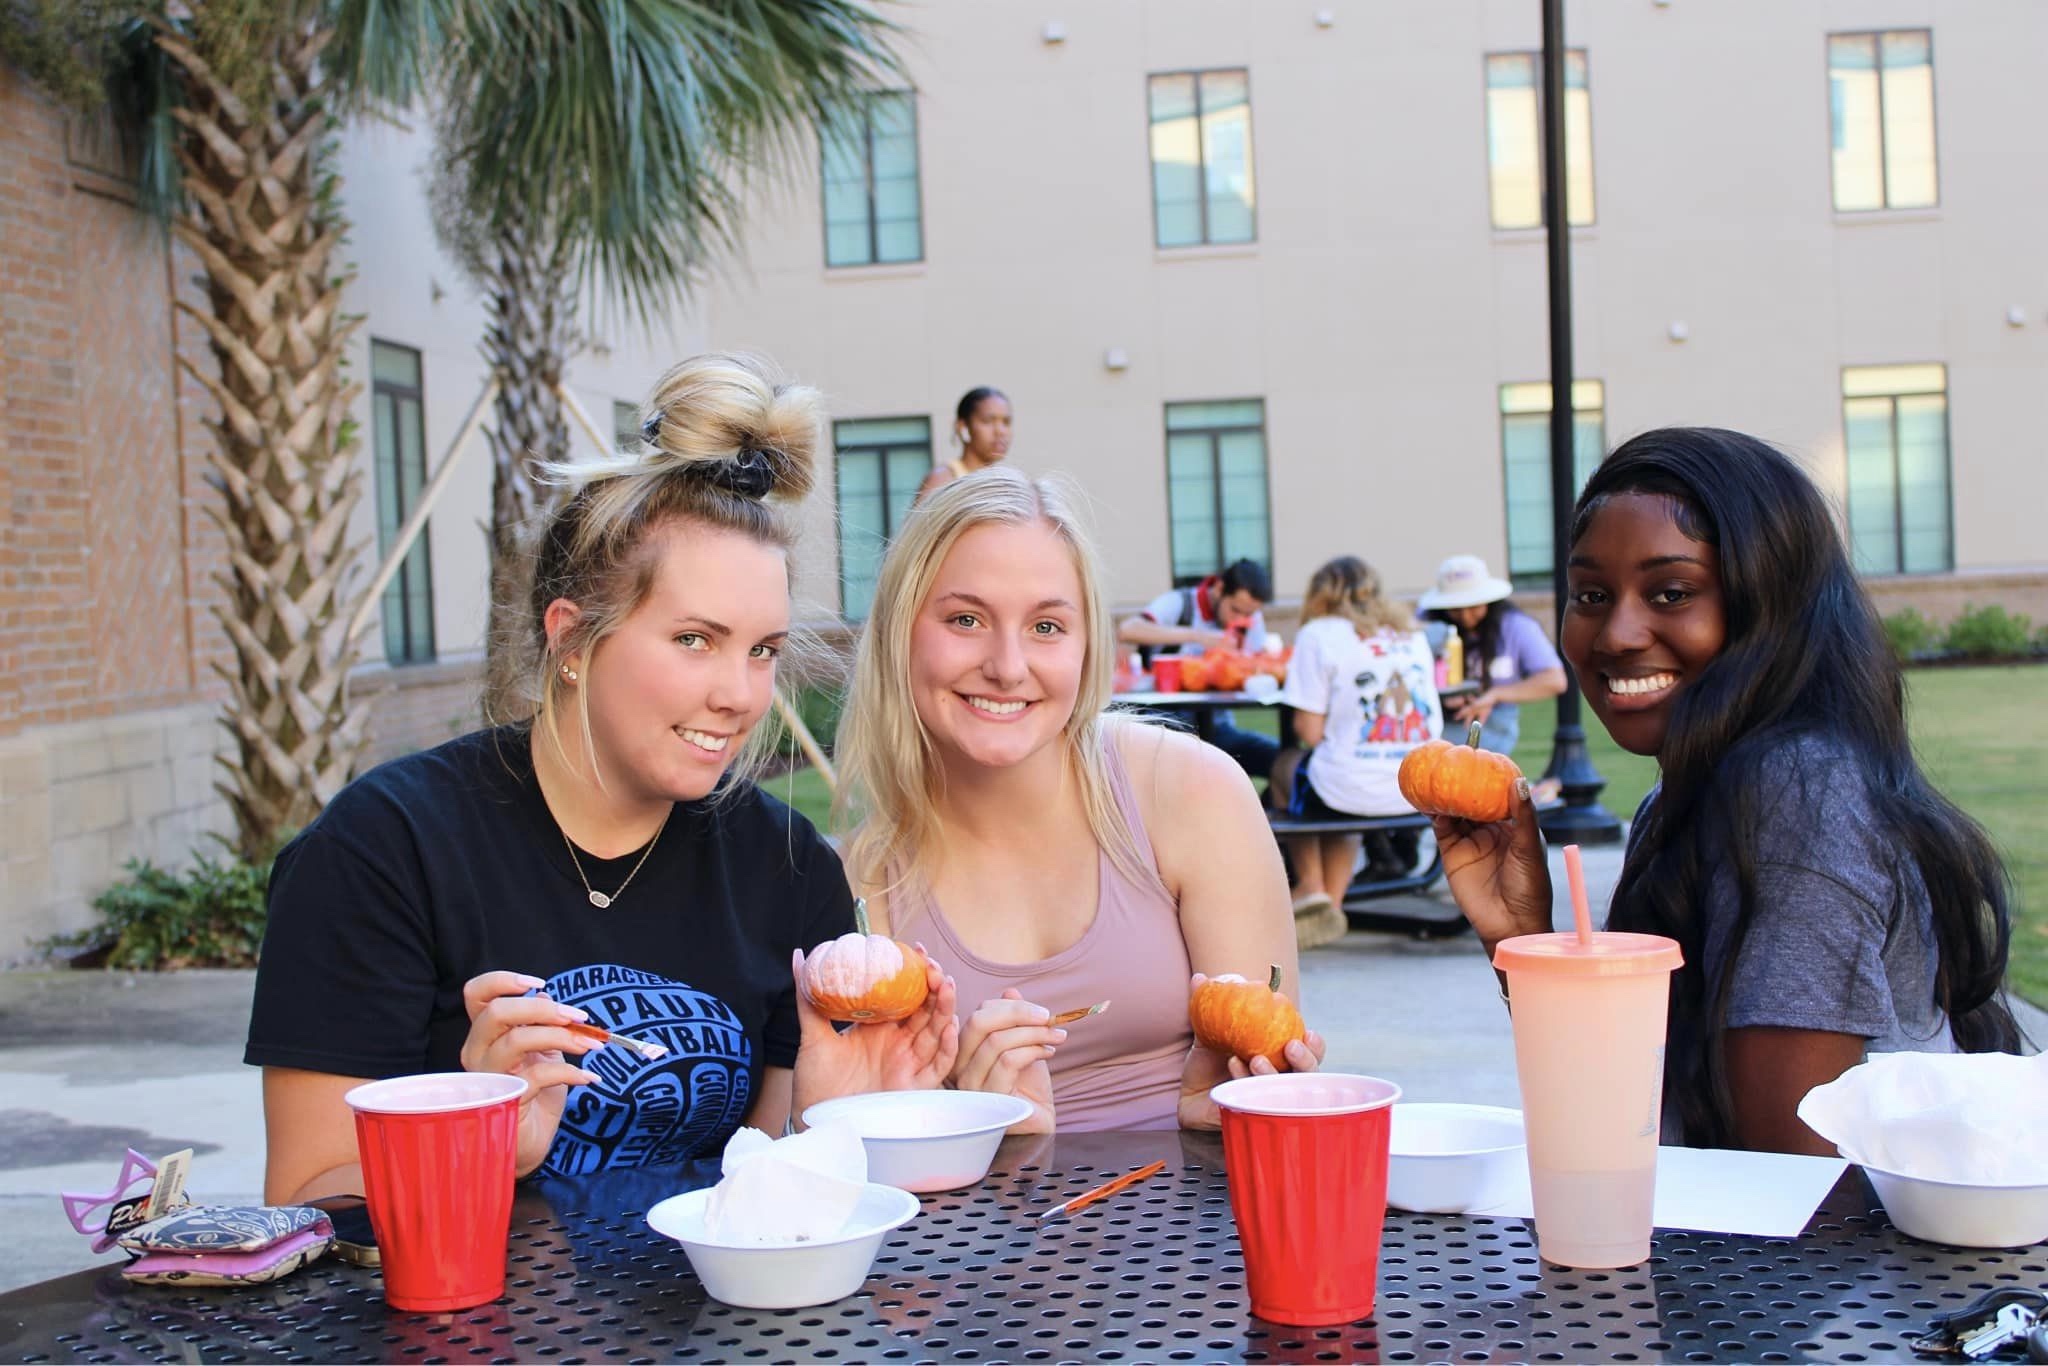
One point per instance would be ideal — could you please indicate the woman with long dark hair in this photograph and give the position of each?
(1828, 900)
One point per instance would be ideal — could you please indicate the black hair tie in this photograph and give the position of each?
(748, 475)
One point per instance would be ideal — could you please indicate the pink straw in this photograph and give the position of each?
(1582, 914)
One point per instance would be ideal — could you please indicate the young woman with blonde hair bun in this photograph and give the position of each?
(1052, 854)
(606, 860)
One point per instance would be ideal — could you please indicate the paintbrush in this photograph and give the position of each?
(1067, 1017)
(1107, 1188)
(644, 1048)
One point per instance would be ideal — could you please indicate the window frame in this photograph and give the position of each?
(1884, 174)
(880, 450)
(1535, 60)
(1531, 579)
(401, 580)
(867, 152)
(1202, 158)
(1948, 455)
(1214, 434)
(627, 437)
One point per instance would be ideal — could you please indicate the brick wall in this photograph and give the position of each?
(102, 545)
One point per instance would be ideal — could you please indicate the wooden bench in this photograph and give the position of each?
(1360, 895)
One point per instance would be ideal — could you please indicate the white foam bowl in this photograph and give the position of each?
(784, 1275)
(1453, 1159)
(1963, 1216)
(925, 1140)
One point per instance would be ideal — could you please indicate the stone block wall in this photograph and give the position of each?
(79, 799)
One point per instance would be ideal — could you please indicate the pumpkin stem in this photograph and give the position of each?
(1273, 981)
(1472, 735)
(860, 914)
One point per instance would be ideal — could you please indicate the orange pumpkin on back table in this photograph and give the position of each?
(1245, 1019)
(865, 978)
(1474, 784)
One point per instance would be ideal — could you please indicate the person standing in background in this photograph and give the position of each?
(981, 427)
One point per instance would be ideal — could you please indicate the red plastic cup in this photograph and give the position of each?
(1306, 1155)
(439, 1155)
(1166, 674)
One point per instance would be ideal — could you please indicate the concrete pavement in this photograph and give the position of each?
(93, 1063)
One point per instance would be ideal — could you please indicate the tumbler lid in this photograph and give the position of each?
(1610, 954)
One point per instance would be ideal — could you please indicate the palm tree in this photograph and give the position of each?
(235, 103)
(597, 152)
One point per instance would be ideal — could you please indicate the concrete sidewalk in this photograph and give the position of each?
(93, 1063)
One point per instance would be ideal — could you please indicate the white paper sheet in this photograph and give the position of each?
(1713, 1190)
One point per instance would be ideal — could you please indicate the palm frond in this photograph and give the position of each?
(384, 51)
(142, 90)
(629, 127)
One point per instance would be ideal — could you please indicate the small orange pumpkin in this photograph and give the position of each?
(1443, 779)
(1194, 673)
(1228, 672)
(865, 978)
(1245, 1019)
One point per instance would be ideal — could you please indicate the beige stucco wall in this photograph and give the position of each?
(1378, 311)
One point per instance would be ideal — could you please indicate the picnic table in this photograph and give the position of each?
(1151, 1275)
(1204, 707)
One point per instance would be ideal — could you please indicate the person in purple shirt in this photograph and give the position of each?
(1506, 652)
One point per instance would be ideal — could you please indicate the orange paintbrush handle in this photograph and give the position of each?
(1107, 1188)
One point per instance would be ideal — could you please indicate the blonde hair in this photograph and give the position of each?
(890, 777)
(1348, 587)
(728, 444)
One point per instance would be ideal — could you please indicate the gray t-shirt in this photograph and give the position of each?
(1842, 938)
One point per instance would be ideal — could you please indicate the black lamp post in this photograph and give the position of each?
(1581, 820)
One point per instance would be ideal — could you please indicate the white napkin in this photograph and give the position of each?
(1977, 1119)
(787, 1190)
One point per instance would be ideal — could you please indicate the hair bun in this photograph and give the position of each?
(736, 422)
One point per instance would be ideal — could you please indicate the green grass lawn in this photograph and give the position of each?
(1980, 733)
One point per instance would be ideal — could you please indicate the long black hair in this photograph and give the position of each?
(1804, 654)
(1482, 642)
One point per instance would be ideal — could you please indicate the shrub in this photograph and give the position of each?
(210, 917)
(1989, 632)
(1910, 633)
(819, 708)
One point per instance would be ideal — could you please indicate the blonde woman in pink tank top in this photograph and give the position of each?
(1047, 855)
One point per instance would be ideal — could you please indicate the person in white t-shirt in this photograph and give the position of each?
(1363, 688)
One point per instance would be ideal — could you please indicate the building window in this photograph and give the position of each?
(1895, 429)
(869, 153)
(1881, 109)
(880, 463)
(1525, 451)
(626, 425)
(1202, 158)
(401, 436)
(1216, 486)
(1514, 139)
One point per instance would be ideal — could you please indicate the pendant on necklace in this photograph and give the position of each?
(599, 899)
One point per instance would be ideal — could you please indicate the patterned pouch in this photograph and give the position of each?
(232, 1268)
(198, 1229)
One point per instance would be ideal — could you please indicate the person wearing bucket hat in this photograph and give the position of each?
(1506, 652)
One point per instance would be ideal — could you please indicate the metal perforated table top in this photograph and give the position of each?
(1151, 1275)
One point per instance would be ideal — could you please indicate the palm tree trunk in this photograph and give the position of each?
(265, 224)
(528, 339)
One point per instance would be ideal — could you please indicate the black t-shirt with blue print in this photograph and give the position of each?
(444, 864)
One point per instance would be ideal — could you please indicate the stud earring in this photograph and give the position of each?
(568, 673)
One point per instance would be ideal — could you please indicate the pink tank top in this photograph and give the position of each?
(1122, 1068)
